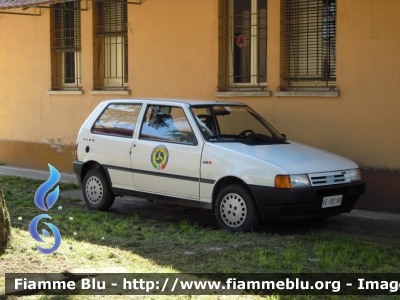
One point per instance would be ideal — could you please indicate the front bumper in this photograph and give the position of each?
(304, 203)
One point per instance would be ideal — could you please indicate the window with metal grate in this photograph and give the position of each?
(309, 33)
(243, 44)
(65, 35)
(111, 40)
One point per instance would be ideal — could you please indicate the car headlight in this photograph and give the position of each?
(354, 174)
(291, 181)
(299, 180)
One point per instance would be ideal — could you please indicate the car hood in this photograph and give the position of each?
(294, 157)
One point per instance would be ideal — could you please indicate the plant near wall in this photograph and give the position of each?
(4, 218)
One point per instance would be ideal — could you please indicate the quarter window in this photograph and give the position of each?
(243, 44)
(117, 120)
(166, 123)
(66, 45)
(310, 43)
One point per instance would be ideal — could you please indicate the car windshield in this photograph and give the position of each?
(234, 123)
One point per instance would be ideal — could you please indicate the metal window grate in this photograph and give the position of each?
(310, 43)
(65, 35)
(243, 41)
(111, 36)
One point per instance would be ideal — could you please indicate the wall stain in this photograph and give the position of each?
(53, 145)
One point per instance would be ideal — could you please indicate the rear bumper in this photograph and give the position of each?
(77, 167)
(305, 203)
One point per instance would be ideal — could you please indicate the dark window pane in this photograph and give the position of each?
(242, 41)
(69, 63)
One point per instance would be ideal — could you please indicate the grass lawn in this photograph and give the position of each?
(99, 239)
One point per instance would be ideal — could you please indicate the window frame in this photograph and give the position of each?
(308, 71)
(228, 42)
(60, 44)
(110, 51)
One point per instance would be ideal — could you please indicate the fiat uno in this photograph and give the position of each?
(221, 156)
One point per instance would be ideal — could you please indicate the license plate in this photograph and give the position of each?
(332, 201)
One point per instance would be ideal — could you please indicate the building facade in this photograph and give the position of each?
(324, 72)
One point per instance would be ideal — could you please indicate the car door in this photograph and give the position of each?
(111, 140)
(166, 155)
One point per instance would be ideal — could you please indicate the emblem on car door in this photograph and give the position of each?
(159, 157)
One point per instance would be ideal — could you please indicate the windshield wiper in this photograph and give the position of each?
(253, 136)
(262, 137)
(259, 137)
(218, 136)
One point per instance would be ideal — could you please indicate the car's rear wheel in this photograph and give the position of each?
(96, 191)
(235, 209)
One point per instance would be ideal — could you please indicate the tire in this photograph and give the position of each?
(96, 191)
(231, 200)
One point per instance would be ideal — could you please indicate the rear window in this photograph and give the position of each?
(117, 120)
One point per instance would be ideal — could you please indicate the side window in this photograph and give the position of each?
(168, 124)
(205, 120)
(117, 120)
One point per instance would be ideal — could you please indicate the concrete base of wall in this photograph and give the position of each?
(382, 191)
(382, 187)
(37, 155)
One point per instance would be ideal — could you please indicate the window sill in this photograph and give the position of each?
(65, 92)
(332, 94)
(110, 92)
(243, 94)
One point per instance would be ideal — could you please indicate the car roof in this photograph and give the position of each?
(173, 101)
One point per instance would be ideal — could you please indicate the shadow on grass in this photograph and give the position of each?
(173, 243)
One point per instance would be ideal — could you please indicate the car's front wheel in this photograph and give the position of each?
(96, 191)
(235, 209)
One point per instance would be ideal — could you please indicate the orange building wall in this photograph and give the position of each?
(173, 53)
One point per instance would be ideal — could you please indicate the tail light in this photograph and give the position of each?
(76, 152)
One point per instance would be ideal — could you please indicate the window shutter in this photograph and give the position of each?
(310, 43)
(112, 18)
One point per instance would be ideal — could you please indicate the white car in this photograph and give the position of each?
(216, 155)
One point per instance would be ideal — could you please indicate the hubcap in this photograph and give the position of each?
(233, 210)
(94, 190)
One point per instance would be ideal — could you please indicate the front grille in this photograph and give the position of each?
(320, 179)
